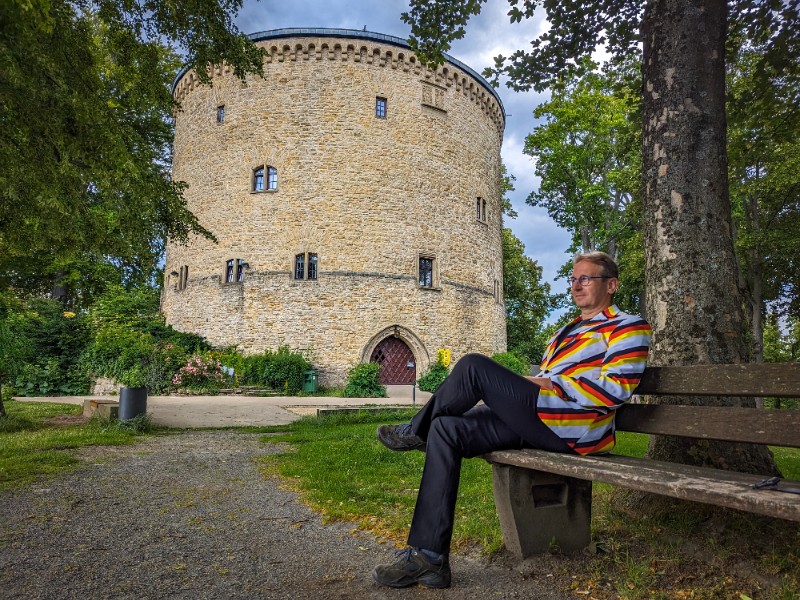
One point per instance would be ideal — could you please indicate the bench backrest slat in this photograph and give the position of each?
(752, 379)
(775, 427)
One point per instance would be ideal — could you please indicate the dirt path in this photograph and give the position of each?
(189, 516)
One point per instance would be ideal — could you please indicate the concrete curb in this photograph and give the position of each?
(239, 411)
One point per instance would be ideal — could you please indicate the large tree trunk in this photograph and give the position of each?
(693, 302)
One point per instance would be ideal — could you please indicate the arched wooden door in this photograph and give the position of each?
(394, 356)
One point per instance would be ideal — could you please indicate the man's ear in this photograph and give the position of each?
(613, 284)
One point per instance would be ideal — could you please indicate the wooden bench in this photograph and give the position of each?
(544, 497)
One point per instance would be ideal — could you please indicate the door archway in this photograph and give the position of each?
(394, 356)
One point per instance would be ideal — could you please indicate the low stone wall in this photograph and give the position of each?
(103, 386)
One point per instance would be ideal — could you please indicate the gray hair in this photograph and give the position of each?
(610, 268)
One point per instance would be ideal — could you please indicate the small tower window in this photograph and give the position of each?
(480, 209)
(234, 270)
(183, 277)
(259, 181)
(380, 107)
(221, 113)
(312, 265)
(426, 274)
(305, 266)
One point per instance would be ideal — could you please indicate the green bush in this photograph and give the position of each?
(433, 378)
(7, 393)
(131, 339)
(282, 370)
(47, 342)
(513, 362)
(362, 382)
(285, 371)
(253, 369)
(47, 378)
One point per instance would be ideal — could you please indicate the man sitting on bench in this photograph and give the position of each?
(590, 367)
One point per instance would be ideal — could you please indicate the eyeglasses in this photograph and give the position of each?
(585, 279)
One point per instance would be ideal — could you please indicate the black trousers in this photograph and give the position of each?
(456, 428)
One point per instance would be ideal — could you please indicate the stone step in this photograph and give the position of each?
(105, 408)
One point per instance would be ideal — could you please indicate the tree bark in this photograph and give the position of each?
(693, 301)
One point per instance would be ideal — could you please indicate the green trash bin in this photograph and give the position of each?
(310, 381)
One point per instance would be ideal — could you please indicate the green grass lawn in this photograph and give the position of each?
(32, 446)
(647, 547)
(341, 470)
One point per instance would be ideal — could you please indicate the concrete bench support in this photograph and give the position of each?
(537, 509)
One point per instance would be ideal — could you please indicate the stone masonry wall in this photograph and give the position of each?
(368, 195)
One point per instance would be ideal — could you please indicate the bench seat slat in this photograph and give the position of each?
(713, 486)
(779, 427)
(752, 379)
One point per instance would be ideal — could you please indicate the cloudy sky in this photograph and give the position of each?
(488, 35)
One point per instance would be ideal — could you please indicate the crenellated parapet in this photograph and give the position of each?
(378, 50)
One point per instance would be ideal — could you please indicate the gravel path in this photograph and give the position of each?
(189, 516)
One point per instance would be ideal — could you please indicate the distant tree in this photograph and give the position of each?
(86, 107)
(588, 156)
(693, 300)
(526, 298)
(781, 344)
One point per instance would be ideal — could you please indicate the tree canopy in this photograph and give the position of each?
(577, 29)
(85, 148)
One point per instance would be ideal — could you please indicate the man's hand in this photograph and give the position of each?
(542, 382)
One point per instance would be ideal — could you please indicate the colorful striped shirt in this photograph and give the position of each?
(594, 369)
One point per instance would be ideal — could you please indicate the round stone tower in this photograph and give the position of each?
(355, 198)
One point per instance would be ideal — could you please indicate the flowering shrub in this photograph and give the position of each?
(443, 357)
(200, 374)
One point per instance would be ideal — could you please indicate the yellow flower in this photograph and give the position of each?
(443, 357)
(69, 314)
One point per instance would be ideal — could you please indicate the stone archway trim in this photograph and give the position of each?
(405, 334)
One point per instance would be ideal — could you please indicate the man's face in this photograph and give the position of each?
(597, 294)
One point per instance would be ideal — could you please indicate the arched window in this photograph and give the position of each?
(258, 179)
(261, 184)
(272, 178)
